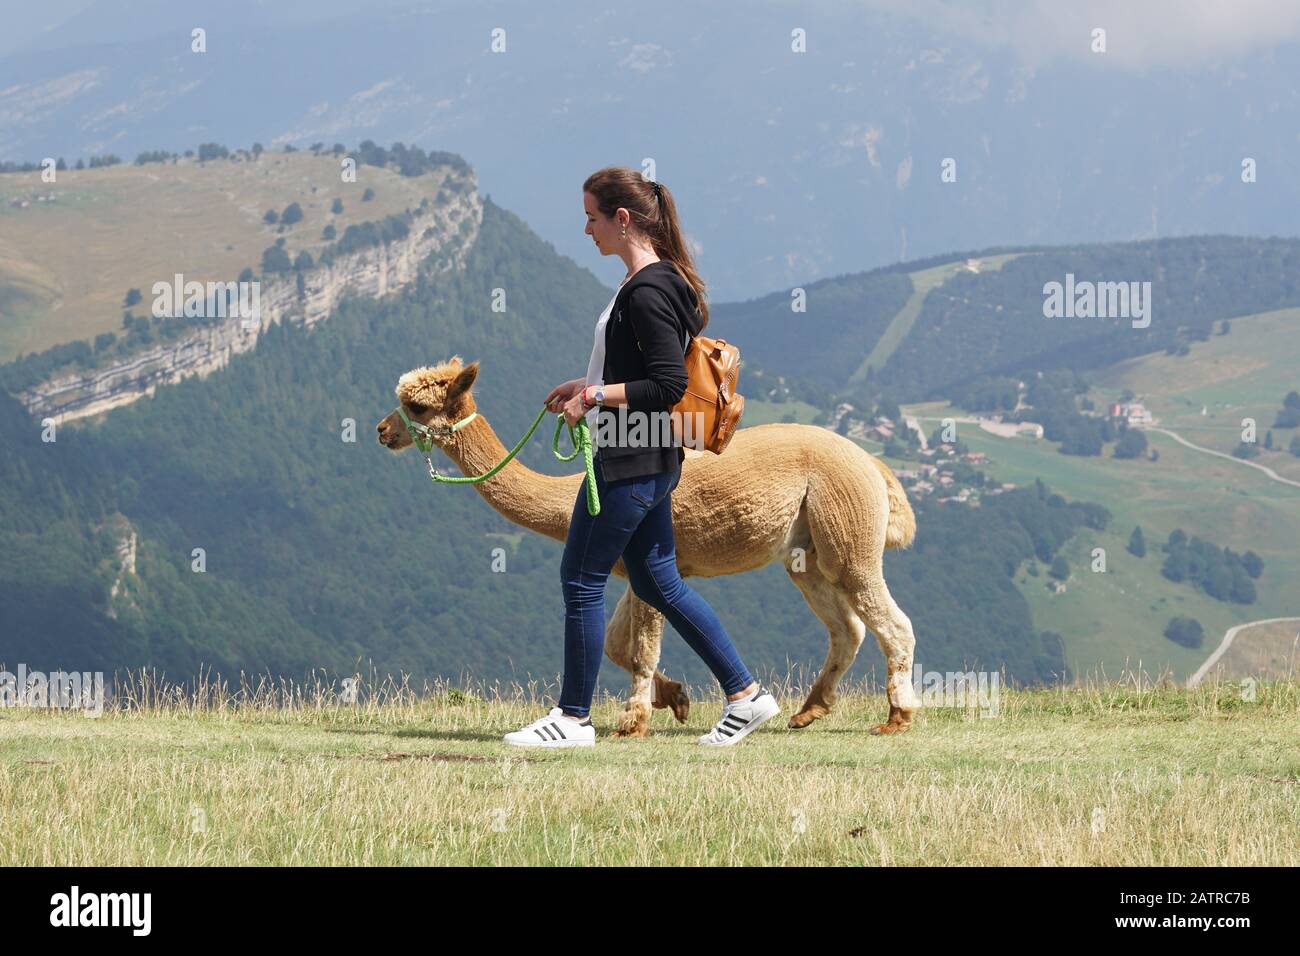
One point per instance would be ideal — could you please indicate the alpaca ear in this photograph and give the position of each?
(461, 383)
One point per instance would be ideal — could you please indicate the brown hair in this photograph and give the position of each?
(616, 187)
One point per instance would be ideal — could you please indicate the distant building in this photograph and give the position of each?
(1134, 413)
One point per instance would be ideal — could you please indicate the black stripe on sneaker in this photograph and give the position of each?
(559, 731)
(733, 721)
(538, 732)
(726, 731)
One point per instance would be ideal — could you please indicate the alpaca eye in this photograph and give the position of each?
(418, 409)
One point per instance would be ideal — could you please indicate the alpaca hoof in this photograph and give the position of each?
(806, 717)
(634, 721)
(899, 722)
(640, 730)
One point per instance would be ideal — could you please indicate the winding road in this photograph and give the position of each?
(1218, 454)
(1226, 643)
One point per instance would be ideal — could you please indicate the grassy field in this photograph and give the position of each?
(764, 413)
(66, 265)
(1116, 774)
(1116, 619)
(1272, 648)
(1243, 374)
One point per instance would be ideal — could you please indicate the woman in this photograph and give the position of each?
(637, 368)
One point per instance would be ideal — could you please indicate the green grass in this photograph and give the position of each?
(68, 264)
(764, 413)
(1241, 375)
(1116, 619)
(1097, 775)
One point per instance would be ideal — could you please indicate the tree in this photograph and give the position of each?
(303, 261)
(271, 217)
(1137, 545)
(336, 206)
(1132, 444)
(1253, 564)
(275, 259)
(1186, 631)
(292, 213)
(212, 151)
(1268, 440)
(1292, 400)
(1059, 569)
(368, 195)
(246, 274)
(1295, 446)
(132, 297)
(328, 232)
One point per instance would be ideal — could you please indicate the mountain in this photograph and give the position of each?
(952, 320)
(228, 522)
(790, 166)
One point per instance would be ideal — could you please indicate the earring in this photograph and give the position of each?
(623, 234)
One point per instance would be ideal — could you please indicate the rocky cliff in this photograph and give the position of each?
(445, 230)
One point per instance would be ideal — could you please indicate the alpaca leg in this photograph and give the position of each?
(632, 641)
(846, 633)
(893, 632)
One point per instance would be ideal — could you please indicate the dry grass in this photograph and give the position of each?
(66, 265)
(276, 772)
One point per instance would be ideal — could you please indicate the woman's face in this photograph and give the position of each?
(604, 230)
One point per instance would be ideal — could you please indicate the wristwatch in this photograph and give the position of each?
(600, 397)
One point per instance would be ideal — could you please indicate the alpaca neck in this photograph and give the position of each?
(541, 503)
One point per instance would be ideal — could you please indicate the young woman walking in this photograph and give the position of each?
(637, 368)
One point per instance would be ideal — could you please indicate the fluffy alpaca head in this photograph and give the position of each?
(432, 395)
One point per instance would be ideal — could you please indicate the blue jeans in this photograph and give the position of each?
(636, 522)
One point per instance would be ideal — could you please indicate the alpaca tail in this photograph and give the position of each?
(902, 522)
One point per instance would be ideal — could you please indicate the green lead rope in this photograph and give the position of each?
(579, 437)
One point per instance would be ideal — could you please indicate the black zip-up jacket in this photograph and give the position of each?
(646, 337)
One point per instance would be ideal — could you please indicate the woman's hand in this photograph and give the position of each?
(573, 408)
(561, 394)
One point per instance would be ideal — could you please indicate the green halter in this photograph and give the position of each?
(580, 438)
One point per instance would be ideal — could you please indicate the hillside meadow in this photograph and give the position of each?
(66, 264)
(1130, 773)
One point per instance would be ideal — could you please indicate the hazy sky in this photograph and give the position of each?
(1139, 33)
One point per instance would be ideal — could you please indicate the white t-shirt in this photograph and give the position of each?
(596, 364)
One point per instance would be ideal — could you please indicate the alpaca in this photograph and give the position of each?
(798, 494)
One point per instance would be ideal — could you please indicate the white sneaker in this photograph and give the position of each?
(740, 717)
(554, 730)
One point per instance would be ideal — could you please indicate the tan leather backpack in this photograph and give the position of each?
(712, 371)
